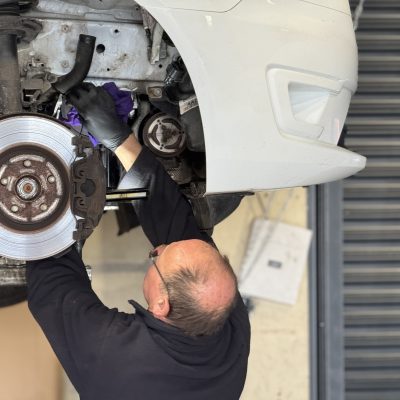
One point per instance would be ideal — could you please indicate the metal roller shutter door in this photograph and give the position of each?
(371, 212)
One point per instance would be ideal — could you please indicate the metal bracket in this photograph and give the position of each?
(126, 196)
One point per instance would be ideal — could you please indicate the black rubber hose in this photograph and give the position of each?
(10, 81)
(83, 61)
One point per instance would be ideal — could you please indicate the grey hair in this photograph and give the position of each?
(186, 313)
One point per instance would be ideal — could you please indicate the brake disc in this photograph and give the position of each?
(36, 154)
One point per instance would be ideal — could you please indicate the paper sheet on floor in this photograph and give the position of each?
(275, 260)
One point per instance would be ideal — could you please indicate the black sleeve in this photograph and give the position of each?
(166, 215)
(60, 296)
(72, 317)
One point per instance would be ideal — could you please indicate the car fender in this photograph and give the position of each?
(249, 66)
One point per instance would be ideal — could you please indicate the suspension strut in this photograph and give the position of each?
(13, 29)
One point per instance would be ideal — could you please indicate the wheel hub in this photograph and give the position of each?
(34, 188)
(27, 188)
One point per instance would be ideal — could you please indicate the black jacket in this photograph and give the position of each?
(109, 355)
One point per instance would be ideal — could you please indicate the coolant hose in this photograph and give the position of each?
(83, 61)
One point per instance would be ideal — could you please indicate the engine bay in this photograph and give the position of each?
(130, 50)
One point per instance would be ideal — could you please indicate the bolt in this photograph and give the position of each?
(4, 181)
(27, 163)
(51, 78)
(43, 207)
(65, 28)
(27, 188)
(155, 92)
(65, 64)
(51, 179)
(14, 208)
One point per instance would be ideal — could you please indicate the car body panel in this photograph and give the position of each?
(339, 5)
(267, 73)
(202, 5)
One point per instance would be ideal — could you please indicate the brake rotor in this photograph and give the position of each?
(36, 220)
(164, 135)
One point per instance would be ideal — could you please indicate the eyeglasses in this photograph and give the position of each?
(152, 256)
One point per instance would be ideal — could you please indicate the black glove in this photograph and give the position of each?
(97, 110)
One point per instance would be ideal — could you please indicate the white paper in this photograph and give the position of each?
(275, 260)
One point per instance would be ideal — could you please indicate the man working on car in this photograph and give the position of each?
(193, 340)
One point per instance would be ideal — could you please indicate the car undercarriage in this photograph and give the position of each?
(55, 185)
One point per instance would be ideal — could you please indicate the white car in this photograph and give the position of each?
(233, 96)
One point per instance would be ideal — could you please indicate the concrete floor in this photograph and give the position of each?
(29, 369)
(278, 366)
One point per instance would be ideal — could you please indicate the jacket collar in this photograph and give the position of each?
(164, 328)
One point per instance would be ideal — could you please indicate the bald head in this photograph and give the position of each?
(201, 284)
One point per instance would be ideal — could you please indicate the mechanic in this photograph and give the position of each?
(193, 340)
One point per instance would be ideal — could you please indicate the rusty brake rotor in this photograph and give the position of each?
(36, 220)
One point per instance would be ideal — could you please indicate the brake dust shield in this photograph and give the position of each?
(36, 154)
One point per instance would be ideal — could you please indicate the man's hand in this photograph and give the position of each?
(97, 110)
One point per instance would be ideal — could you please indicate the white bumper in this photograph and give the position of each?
(274, 81)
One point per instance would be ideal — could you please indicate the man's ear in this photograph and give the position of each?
(161, 308)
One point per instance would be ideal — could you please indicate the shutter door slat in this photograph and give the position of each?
(375, 210)
(370, 42)
(367, 231)
(371, 294)
(378, 62)
(372, 274)
(368, 127)
(371, 317)
(356, 339)
(377, 4)
(375, 379)
(378, 84)
(381, 167)
(372, 104)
